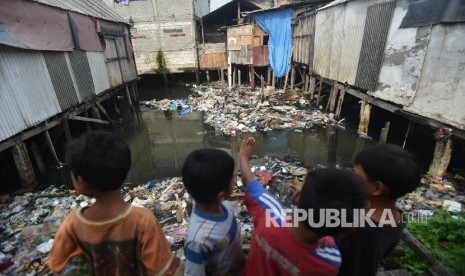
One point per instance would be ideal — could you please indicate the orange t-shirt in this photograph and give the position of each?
(130, 244)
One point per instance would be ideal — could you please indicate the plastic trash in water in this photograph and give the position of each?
(185, 111)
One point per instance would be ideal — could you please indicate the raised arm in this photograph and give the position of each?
(244, 154)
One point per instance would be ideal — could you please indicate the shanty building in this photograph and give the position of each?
(403, 56)
(165, 33)
(58, 60)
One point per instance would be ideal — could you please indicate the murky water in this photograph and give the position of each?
(163, 140)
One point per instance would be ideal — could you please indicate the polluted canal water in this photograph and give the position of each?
(165, 138)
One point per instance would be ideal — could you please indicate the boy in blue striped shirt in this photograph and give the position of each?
(213, 242)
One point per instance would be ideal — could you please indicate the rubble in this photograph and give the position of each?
(31, 220)
(434, 194)
(246, 112)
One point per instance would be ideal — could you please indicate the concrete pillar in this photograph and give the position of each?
(442, 152)
(365, 111)
(24, 165)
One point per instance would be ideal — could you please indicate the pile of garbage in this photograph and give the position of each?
(434, 194)
(248, 111)
(30, 221)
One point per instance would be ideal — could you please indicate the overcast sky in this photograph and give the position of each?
(217, 3)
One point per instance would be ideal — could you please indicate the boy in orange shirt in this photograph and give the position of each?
(110, 236)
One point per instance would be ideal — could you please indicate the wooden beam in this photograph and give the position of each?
(85, 119)
(252, 78)
(104, 112)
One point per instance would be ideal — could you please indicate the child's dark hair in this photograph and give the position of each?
(101, 158)
(206, 173)
(390, 164)
(331, 189)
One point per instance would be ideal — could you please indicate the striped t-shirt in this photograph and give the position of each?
(274, 249)
(213, 244)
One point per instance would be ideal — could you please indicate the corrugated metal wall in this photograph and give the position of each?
(374, 39)
(10, 122)
(61, 79)
(25, 74)
(323, 41)
(302, 40)
(354, 25)
(338, 40)
(82, 74)
(98, 71)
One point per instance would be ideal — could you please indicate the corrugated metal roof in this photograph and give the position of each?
(25, 73)
(98, 71)
(334, 3)
(94, 8)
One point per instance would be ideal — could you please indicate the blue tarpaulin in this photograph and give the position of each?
(278, 25)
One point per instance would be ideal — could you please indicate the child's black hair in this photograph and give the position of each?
(206, 173)
(331, 189)
(390, 164)
(101, 158)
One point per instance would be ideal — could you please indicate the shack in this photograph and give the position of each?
(165, 33)
(213, 48)
(58, 61)
(403, 56)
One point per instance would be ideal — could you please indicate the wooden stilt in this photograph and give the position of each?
(208, 75)
(86, 113)
(306, 85)
(262, 88)
(320, 87)
(268, 76)
(133, 93)
(311, 87)
(365, 110)
(105, 113)
(332, 145)
(222, 78)
(116, 106)
(292, 78)
(38, 159)
(285, 79)
(24, 165)
(52, 148)
(136, 91)
(68, 135)
(442, 152)
(239, 77)
(340, 102)
(273, 81)
(252, 78)
(332, 97)
(384, 133)
(129, 98)
(234, 76)
(96, 113)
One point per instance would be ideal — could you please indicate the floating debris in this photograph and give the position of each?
(246, 112)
